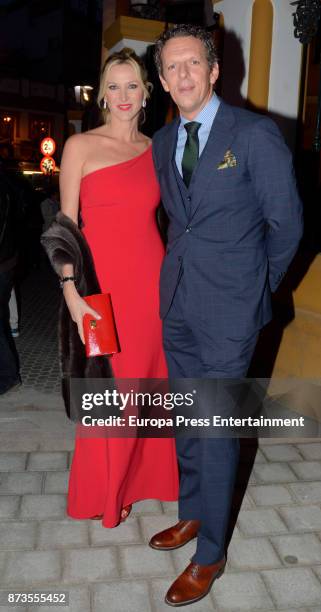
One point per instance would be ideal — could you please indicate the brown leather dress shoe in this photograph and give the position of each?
(176, 536)
(194, 583)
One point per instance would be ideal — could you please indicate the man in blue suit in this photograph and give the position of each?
(235, 222)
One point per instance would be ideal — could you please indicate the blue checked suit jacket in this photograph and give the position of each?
(236, 230)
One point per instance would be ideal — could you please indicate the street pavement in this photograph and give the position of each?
(274, 558)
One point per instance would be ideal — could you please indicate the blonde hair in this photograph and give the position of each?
(125, 56)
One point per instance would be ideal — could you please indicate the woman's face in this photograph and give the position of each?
(124, 92)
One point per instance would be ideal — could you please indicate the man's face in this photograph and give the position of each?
(186, 74)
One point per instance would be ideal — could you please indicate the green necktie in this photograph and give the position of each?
(190, 156)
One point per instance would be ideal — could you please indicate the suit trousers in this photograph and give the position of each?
(208, 466)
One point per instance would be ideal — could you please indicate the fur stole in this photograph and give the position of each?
(65, 244)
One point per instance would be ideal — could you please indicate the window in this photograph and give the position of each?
(7, 125)
(39, 127)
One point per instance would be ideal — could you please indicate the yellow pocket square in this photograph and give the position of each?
(229, 161)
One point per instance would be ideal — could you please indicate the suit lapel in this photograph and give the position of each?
(219, 140)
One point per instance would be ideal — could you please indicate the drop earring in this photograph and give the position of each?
(144, 103)
(104, 104)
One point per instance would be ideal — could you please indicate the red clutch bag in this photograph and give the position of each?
(100, 334)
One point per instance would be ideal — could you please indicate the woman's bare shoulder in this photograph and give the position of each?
(75, 144)
(80, 145)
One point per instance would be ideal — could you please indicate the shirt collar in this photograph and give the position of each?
(206, 115)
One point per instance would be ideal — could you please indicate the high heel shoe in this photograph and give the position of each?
(126, 510)
(97, 517)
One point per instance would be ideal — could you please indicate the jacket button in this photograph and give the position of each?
(189, 198)
(188, 229)
(179, 258)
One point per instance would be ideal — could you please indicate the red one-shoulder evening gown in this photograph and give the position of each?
(118, 205)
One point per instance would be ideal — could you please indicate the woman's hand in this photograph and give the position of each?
(78, 307)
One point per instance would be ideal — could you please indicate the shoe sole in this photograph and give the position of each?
(171, 547)
(191, 601)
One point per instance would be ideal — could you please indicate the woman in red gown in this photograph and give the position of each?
(109, 170)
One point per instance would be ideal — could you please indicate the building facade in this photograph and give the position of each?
(46, 48)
